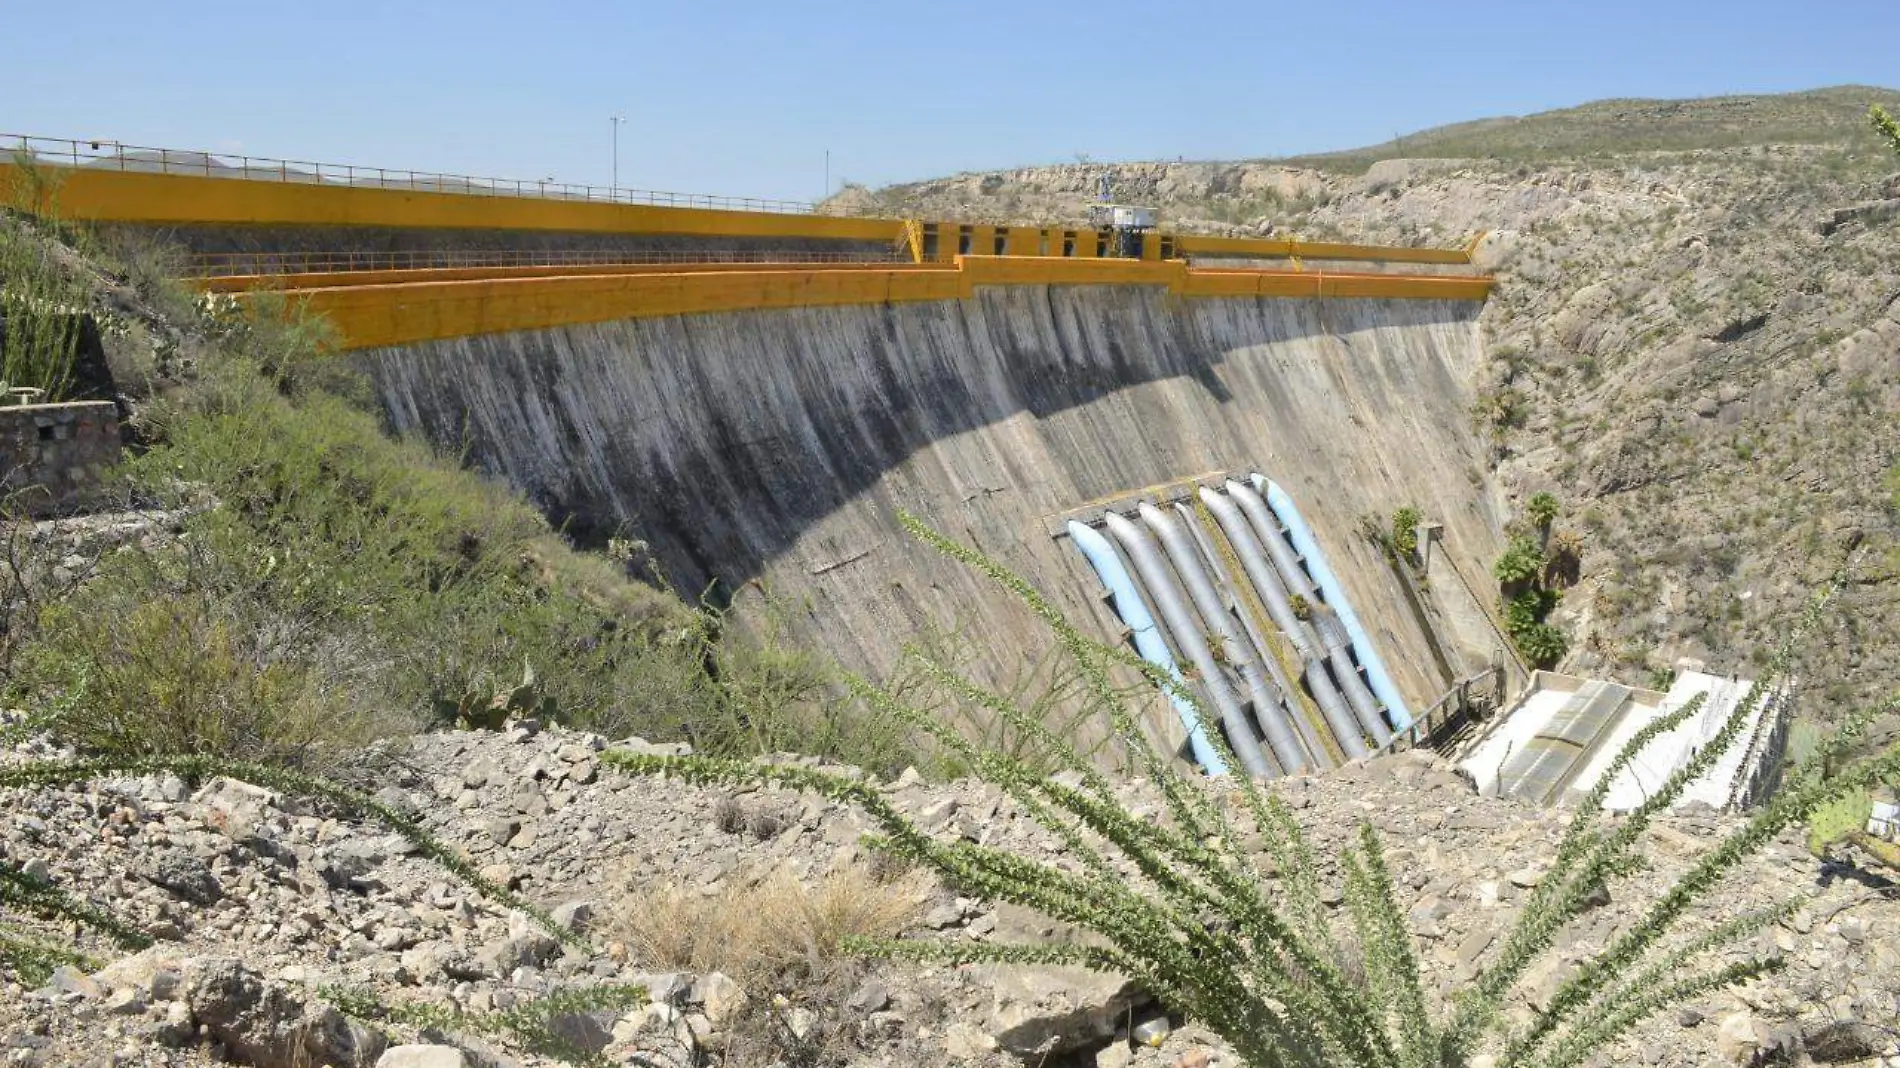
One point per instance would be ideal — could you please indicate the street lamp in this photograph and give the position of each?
(616, 121)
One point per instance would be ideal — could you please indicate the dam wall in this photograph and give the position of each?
(769, 450)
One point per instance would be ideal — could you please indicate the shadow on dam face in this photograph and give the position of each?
(776, 445)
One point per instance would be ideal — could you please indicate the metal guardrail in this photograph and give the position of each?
(114, 155)
(229, 264)
(1481, 689)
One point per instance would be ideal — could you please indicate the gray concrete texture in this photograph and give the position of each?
(773, 448)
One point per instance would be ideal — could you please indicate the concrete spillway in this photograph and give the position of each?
(775, 445)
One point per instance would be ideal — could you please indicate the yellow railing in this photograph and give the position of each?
(105, 181)
(116, 156)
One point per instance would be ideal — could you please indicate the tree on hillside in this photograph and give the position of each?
(1888, 126)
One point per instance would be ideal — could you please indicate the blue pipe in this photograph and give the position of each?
(1329, 587)
(1148, 641)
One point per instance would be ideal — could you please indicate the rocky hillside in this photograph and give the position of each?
(274, 915)
(1695, 345)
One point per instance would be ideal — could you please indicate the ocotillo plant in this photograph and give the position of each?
(1177, 905)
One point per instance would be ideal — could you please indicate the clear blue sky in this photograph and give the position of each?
(745, 97)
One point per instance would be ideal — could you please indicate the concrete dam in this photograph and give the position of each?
(770, 451)
(1180, 439)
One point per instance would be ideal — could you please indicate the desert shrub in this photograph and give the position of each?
(1500, 409)
(42, 294)
(1563, 560)
(150, 266)
(784, 942)
(339, 572)
(1176, 904)
(39, 567)
(1521, 562)
(1542, 510)
(771, 931)
(159, 664)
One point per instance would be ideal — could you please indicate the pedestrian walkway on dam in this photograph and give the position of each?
(396, 257)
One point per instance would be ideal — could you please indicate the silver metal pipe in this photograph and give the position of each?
(1163, 588)
(1339, 658)
(1346, 730)
(1324, 626)
(1223, 628)
(1285, 560)
(1287, 689)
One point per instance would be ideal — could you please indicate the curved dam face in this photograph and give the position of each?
(775, 446)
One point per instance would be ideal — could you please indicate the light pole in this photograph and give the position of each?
(616, 121)
(827, 174)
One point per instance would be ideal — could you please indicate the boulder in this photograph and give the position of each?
(422, 1057)
(264, 1023)
(1038, 1012)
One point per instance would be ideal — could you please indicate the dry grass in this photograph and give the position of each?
(764, 932)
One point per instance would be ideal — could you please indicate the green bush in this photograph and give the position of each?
(1886, 126)
(1521, 562)
(1541, 644)
(1531, 571)
(1542, 510)
(1405, 532)
(339, 572)
(1528, 608)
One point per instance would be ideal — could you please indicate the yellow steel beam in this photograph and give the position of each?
(407, 312)
(1263, 248)
(100, 195)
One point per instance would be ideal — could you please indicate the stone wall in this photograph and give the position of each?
(53, 457)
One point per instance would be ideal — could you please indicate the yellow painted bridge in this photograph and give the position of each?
(398, 257)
